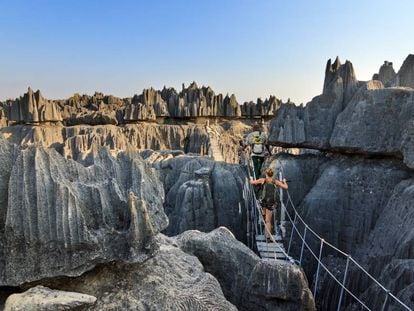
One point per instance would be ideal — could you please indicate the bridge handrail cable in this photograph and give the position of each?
(323, 241)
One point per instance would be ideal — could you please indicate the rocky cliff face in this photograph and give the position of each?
(355, 193)
(360, 206)
(202, 194)
(312, 125)
(77, 142)
(371, 120)
(80, 210)
(61, 218)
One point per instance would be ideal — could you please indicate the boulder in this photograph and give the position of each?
(41, 298)
(170, 280)
(247, 281)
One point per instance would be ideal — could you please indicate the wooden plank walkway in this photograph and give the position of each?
(271, 250)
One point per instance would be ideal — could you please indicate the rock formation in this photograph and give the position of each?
(386, 74)
(202, 194)
(405, 76)
(312, 125)
(33, 108)
(360, 206)
(247, 281)
(355, 192)
(377, 121)
(46, 299)
(350, 120)
(170, 280)
(61, 218)
(150, 105)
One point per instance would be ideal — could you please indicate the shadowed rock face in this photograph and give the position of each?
(202, 194)
(247, 281)
(361, 206)
(61, 218)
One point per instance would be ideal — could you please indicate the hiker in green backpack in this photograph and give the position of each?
(258, 142)
(269, 198)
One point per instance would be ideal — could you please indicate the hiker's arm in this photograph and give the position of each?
(282, 184)
(257, 181)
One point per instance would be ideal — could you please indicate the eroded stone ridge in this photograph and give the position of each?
(353, 116)
(150, 105)
(62, 218)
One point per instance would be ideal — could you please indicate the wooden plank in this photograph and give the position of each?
(263, 238)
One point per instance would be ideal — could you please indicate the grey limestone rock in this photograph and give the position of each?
(386, 74)
(405, 76)
(377, 121)
(348, 197)
(170, 280)
(77, 142)
(362, 207)
(63, 218)
(203, 194)
(247, 281)
(312, 125)
(32, 107)
(41, 298)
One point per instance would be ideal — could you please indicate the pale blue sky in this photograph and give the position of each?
(250, 48)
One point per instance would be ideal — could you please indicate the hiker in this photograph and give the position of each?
(258, 142)
(269, 198)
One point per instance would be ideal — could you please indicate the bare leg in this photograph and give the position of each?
(269, 214)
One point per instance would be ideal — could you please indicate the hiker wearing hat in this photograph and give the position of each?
(258, 142)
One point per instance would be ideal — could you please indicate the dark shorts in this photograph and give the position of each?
(271, 207)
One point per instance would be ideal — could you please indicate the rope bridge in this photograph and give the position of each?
(256, 237)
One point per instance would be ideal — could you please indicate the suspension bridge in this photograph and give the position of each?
(306, 237)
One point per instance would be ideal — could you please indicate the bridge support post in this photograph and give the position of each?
(385, 301)
(343, 283)
(318, 269)
(282, 209)
(291, 232)
(303, 244)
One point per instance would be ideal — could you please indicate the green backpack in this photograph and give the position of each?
(270, 196)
